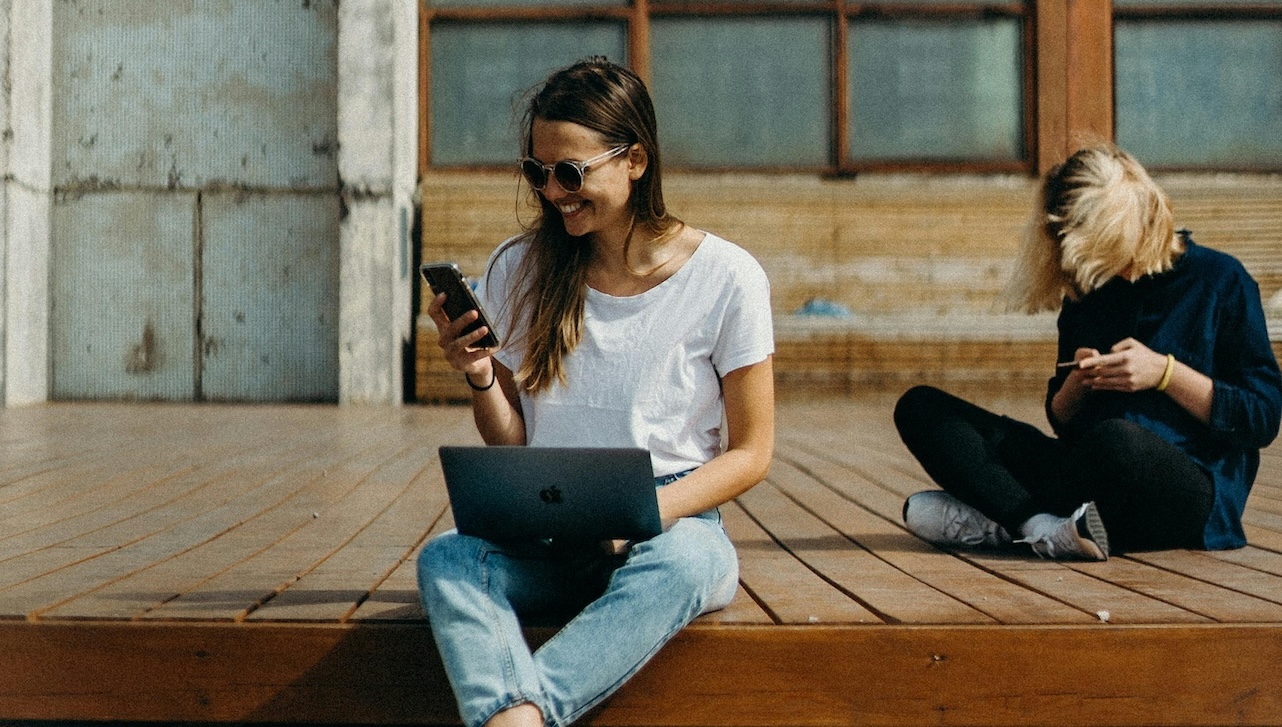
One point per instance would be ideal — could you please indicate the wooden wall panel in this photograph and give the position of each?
(918, 261)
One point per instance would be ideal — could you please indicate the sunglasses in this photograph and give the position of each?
(568, 174)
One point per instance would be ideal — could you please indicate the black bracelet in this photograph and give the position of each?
(494, 376)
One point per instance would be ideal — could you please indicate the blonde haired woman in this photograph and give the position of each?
(1166, 391)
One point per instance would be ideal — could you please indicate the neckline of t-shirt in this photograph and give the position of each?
(680, 273)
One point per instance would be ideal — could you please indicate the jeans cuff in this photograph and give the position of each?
(509, 702)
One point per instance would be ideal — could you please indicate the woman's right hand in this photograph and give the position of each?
(460, 348)
(1068, 400)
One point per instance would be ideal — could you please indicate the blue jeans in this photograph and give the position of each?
(626, 607)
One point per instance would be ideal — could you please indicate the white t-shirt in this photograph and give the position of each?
(646, 372)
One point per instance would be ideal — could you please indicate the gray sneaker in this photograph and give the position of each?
(1079, 536)
(938, 517)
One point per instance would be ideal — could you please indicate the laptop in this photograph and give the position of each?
(575, 494)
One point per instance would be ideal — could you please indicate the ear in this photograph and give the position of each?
(638, 162)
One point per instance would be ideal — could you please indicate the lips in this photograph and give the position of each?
(570, 208)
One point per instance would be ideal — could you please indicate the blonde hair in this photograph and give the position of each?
(1099, 215)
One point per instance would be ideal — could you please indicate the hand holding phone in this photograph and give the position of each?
(459, 299)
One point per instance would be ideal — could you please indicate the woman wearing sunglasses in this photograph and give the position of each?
(623, 326)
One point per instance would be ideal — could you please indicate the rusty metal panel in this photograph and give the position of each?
(122, 297)
(269, 311)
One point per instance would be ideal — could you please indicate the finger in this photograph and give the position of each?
(436, 311)
(1085, 357)
(452, 330)
(470, 340)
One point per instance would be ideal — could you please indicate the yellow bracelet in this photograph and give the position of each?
(1166, 375)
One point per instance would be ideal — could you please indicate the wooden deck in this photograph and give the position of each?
(255, 564)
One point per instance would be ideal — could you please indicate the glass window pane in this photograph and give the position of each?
(740, 92)
(1200, 93)
(481, 72)
(936, 90)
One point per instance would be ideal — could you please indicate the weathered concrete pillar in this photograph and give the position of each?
(25, 106)
(377, 160)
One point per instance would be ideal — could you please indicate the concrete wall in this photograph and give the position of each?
(145, 130)
(28, 194)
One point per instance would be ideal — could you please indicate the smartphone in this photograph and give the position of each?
(459, 299)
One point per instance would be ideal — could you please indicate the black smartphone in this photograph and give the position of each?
(448, 279)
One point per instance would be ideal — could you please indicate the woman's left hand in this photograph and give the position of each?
(1129, 366)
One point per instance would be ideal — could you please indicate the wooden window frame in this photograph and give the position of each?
(1236, 11)
(1067, 76)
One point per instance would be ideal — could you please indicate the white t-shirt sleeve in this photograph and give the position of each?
(747, 326)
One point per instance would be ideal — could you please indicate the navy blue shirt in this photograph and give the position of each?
(1206, 311)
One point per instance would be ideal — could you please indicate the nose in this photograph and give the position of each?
(553, 190)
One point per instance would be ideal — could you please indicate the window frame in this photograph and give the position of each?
(637, 15)
(1068, 68)
(1195, 11)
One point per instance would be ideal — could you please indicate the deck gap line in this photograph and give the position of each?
(216, 479)
(155, 483)
(961, 555)
(827, 485)
(885, 618)
(400, 561)
(878, 556)
(1199, 579)
(1265, 547)
(1077, 567)
(841, 462)
(408, 448)
(208, 454)
(761, 602)
(193, 546)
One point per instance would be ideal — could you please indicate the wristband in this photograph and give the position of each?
(1166, 375)
(494, 376)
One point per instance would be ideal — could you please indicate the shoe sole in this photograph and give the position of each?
(1090, 530)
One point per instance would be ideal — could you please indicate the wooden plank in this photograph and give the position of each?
(284, 541)
(895, 595)
(1220, 572)
(743, 610)
(914, 675)
(1252, 557)
(336, 587)
(396, 598)
(174, 548)
(981, 591)
(821, 675)
(49, 578)
(790, 591)
(1195, 596)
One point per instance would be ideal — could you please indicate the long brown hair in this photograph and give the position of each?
(1099, 214)
(551, 283)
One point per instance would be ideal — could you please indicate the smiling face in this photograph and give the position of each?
(601, 207)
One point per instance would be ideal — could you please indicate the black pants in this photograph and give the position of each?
(1150, 495)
